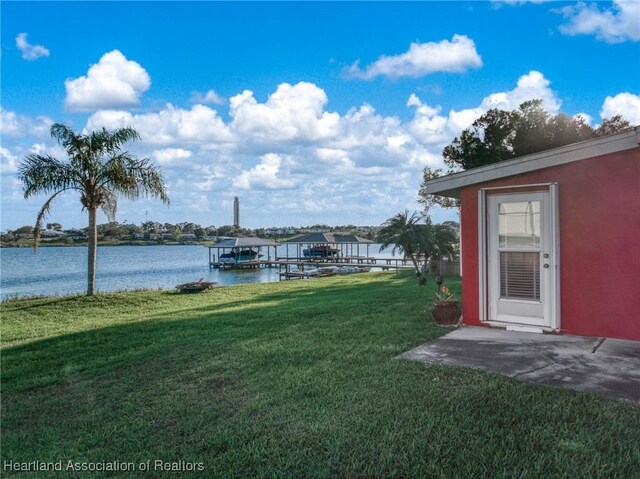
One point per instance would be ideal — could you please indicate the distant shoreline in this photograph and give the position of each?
(123, 243)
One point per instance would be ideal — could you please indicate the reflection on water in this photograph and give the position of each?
(63, 270)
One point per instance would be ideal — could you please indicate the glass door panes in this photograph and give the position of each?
(519, 225)
(519, 250)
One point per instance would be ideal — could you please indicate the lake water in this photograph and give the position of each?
(63, 270)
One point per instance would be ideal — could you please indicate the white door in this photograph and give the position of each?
(521, 266)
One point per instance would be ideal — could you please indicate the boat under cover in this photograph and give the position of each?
(235, 257)
(321, 251)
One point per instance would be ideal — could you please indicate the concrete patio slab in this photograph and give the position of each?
(610, 367)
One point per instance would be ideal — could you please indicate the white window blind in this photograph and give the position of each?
(520, 275)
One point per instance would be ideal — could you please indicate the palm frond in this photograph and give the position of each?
(37, 230)
(401, 232)
(45, 174)
(133, 177)
(109, 204)
(109, 141)
(74, 143)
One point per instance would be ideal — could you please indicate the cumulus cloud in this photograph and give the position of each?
(455, 56)
(291, 140)
(617, 24)
(625, 104)
(8, 162)
(210, 97)
(588, 119)
(113, 82)
(428, 123)
(265, 175)
(12, 124)
(530, 86)
(171, 156)
(431, 126)
(30, 52)
(172, 125)
(291, 113)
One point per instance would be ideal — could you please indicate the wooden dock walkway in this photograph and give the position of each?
(294, 268)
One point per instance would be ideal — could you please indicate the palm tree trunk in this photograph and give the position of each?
(423, 270)
(421, 277)
(92, 246)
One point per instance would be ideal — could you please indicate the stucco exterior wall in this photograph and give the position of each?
(599, 215)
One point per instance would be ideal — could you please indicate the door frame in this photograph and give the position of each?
(553, 247)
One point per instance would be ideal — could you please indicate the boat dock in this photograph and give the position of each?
(384, 264)
(292, 268)
(355, 261)
(246, 253)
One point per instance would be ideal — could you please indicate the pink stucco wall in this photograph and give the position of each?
(599, 211)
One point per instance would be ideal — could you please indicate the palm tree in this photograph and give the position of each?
(99, 170)
(417, 241)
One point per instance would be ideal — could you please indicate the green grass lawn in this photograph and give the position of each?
(295, 379)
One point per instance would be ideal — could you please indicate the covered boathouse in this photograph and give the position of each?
(346, 246)
(248, 252)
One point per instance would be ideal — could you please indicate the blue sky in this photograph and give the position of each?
(309, 112)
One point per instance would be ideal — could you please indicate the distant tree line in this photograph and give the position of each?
(162, 232)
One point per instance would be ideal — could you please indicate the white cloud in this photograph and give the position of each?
(625, 104)
(588, 119)
(291, 113)
(30, 52)
(114, 82)
(531, 86)
(172, 125)
(455, 56)
(171, 156)
(264, 175)
(210, 97)
(430, 126)
(8, 162)
(617, 24)
(362, 158)
(12, 124)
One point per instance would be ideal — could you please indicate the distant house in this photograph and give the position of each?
(550, 240)
(146, 236)
(52, 234)
(76, 234)
(188, 237)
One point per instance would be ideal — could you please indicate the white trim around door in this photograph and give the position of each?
(519, 266)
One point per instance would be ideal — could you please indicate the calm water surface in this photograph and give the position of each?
(63, 270)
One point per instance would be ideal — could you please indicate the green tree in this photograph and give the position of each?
(54, 226)
(500, 135)
(612, 125)
(417, 241)
(24, 230)
(199, 232)
(99, 170)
